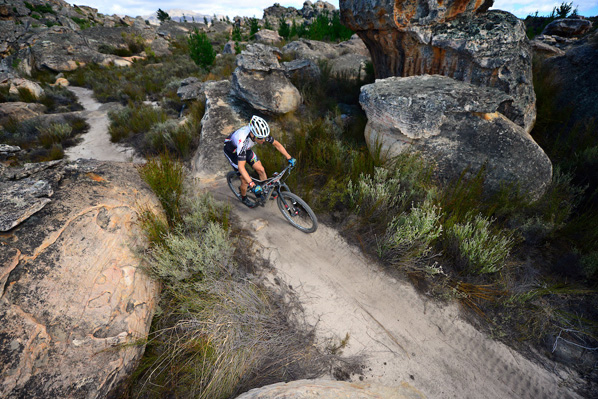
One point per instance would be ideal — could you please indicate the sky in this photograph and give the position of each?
(255, 8)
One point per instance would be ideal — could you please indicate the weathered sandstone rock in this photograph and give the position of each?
(353, 46)
(458, 125)
(301, 69)
(311, 49)
(268, 36)
(20, 84)
(568, 27)
(574, 74)
(350, 66)
(24, 197)
(223, 115)
(545, 50)
(190, 89)
(20, 111)
(448, 38)
(325, 389)
(74, 302)
(260, 81)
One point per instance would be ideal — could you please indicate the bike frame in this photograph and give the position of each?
(272, 184)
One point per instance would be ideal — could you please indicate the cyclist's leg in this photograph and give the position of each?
(256, 164)
(234, 162)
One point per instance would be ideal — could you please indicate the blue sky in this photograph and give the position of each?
(520, 8)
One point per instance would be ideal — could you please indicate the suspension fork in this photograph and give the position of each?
(288, 206)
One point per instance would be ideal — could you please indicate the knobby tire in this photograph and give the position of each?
(299, 213)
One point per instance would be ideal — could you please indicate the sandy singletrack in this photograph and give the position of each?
(402, 335)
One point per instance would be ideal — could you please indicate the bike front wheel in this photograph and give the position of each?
(297, 212)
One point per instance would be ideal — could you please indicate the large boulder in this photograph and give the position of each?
(574, 76)
(74, 302)
(311, 49)
(568, 27)
(223, 115)
(326, 389)
(458, 125)
(260, 81)
(454, 39)
(20, 111)
(268, 36)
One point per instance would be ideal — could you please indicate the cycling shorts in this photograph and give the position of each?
(234, 161)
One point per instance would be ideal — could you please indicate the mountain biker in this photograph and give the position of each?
(237, 148)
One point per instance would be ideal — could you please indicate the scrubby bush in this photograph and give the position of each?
(165, 177)
(54, 133)
(410, 235)
(132, 120)
(172, 137)
(477, 246)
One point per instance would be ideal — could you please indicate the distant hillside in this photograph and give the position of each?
(180, 16)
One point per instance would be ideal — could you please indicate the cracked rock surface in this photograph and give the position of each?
(72, 294)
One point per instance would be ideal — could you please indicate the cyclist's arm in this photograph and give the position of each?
(281, 149)
(243, 171)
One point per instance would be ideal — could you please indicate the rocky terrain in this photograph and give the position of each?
(454, 83)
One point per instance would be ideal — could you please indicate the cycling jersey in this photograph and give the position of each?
(239, 143)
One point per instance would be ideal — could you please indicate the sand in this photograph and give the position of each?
(403, 335)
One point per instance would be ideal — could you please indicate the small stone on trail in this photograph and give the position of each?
(258, 224)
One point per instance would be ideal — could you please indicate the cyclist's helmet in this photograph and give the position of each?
(259, 127)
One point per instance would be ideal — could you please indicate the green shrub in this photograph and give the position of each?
(410, 236)
(27, 95)
(589, 263)
(55, 133)
(201, 50)
(477, 246)
(133, 119)
(172, 137)
(59, 99)
(83, 23)
(236, 34)
(135, 42)
(165, 177)
(254, 27)
(284, 29)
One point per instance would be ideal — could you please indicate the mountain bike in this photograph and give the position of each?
(293, 208)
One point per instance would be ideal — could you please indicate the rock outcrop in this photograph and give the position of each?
(74, 303)
(259, 80)
(268, 36)
(458, 125)
(52, 37)
(223, 115)
(455, 39)
(311, 50)
(20, 111)
(574, 74)
(347, 59)
(325, 389)
(568, 27)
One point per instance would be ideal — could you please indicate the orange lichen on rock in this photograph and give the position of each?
(95, 177)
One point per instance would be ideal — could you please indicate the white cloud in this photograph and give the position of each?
(223, 7)
(232, 8)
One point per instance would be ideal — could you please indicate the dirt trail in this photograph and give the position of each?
(403, 335)
(96, 143)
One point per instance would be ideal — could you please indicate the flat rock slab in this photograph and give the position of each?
(73, 299)
(325, 389)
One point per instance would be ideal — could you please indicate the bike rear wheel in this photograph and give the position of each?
(297, 212)
(234, 183)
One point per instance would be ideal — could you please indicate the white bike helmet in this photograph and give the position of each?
(259, 127)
